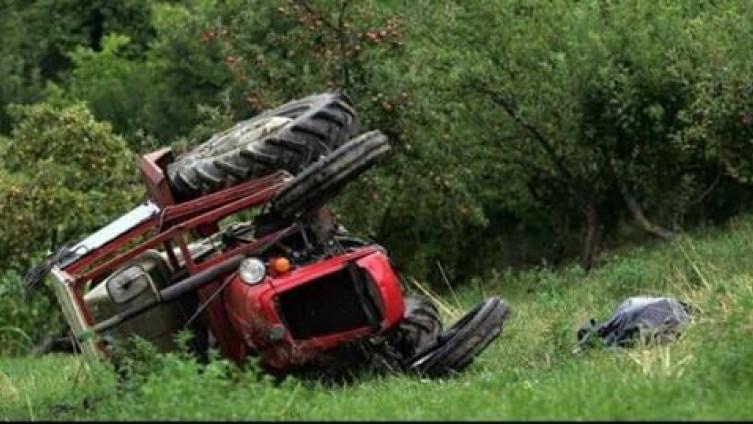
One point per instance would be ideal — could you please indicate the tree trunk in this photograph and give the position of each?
(561, 225)
(637, 212)
(593, 236)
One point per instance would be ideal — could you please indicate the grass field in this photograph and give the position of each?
(528, 373)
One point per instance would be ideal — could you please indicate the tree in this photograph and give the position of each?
(582, 105)
(37, 36)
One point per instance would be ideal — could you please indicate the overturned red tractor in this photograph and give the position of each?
(235, 244)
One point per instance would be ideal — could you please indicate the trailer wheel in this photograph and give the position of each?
(461, 343)
(323, 180)
(288, 137)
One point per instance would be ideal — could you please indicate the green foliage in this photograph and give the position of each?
(63, 175)
(37, 36)
(553, 108)
(145, 97)
(24, 320)
(719, 118)
(116, 88)
(524, 132)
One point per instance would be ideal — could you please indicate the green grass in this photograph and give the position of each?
(528, 373)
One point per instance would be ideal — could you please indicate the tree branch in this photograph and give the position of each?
(709, 189)
(592, 242)
(342, 41)
(635, 209)
(512, 111)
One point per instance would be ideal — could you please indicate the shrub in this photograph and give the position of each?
(63, 175)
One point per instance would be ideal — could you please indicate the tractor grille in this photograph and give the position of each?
(325, 306)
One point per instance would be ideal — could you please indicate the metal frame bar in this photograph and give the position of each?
(178, 219)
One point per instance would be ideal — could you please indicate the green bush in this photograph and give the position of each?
(62, 176)
(24, 320)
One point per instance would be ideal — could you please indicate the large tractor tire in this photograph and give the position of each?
(288, 138)
(420, 327)
(461, 343)
(323, 180)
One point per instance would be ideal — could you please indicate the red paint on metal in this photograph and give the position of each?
(78, 297)
(151, 166)
(230, 343)
(194, 207)
(187, 258)
(252, 309)
(378, 268)
(212, 215)
(109, 248)
(206, 230)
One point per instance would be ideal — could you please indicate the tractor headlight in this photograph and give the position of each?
(252, 270)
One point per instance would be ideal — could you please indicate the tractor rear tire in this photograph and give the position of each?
(288, 137)
(461, 343)
(324, 179)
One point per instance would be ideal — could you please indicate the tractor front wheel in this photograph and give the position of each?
(419, 328)
(323, 180)
(460, 344)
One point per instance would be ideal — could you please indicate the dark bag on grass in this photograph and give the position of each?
(639, 319)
